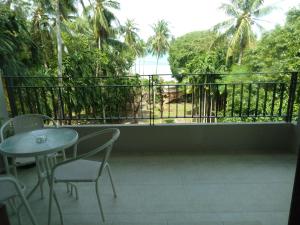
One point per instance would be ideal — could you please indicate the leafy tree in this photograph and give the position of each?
(102, 18)
(134, 43)
(279, 49)
(194, 53)
(14, 40)
(159, 43)
(244, 14)
(42, 34)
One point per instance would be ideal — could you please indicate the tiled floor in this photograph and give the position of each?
(178, 189)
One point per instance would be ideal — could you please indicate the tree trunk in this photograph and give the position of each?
(98, 71)
(97, 65)
(241, 56)
(59, 58)
(156, 64)
(143, 65)
(83, 6)
(8, 3)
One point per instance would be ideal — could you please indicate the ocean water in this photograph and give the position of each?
(147, 66)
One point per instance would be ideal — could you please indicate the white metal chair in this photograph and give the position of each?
(10, 189)
(24, 123)
(29, 122)
(79, 169)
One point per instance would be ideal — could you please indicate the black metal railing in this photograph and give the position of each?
(199, 98)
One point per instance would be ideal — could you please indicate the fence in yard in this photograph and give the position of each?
(149, 99)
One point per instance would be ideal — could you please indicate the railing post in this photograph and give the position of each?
(3, 110)
(153, 99)
(11, 98)
(294, 215)
(292, 94)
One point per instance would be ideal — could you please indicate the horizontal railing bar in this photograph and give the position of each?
(153, 75)
(171, 117)
(146, 85)
(83, 86)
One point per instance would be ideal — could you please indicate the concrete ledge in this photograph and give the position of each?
(204, 138)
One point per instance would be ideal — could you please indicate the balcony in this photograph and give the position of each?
(182, 188)
(229, 162)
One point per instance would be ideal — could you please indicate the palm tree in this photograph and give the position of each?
(244, 15)
(132, 40)
(101, 19)
(159, 43)
(142, 46)
(42, 33)
(63, 8)
(130, 32)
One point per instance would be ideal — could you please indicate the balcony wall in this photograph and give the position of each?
(204, 138)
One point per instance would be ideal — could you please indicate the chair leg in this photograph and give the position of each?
(19, 218)
(16, 210)
(31, 216)
(76, 190)
(111, 180)
(53, 195)
(50, 204)
(42, 188)
(28, 209)
(99, 201)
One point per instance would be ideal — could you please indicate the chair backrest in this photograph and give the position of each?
(24, 123)
(105, 147)
(9, 187)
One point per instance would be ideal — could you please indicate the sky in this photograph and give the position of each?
(186, 16)
(190, 15)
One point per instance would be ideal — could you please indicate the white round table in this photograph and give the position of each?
(39, 144)
(33, 143)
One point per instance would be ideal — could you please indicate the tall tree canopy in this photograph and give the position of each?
(194, 53)
(159, 42)
(279, 49)
(102, 19)
(14, 41)
(244, 15)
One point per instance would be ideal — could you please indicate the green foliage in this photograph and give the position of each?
(14, 41)
(98, 54)
(278, 50)
(194, 53)
(159, 43)
(244, 14)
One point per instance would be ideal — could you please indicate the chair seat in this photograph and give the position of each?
(7, 190)
(78, 171)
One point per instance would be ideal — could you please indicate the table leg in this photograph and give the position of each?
(14, 164)
(7, 169)
(41, 179)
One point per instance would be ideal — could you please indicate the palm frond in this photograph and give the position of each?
(230, 10)
(111, 4)
(223, 25)
(260, 12)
